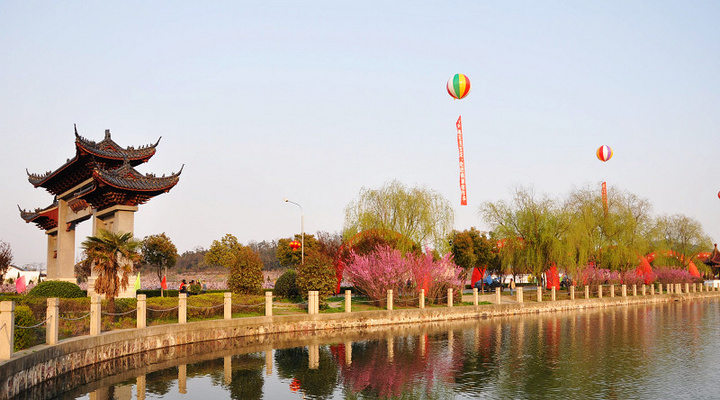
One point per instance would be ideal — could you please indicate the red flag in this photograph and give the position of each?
(20, 284)
(461, 150)
(163, 284)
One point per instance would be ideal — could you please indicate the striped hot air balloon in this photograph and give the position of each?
(458, 86)
(604, 153)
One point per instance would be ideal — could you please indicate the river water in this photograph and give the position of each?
(659, 351)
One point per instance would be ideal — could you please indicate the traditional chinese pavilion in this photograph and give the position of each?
(99, 183)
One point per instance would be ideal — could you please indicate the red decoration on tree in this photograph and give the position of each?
(295, 245)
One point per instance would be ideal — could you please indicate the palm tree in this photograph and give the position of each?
(111, 256)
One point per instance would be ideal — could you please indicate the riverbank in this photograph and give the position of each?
(43, 363)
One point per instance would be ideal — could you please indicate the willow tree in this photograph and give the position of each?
(614, 240)
(423, 216)
(111, 256)
(531, 230)
(678, 239)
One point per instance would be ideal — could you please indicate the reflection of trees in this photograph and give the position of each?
(160, 382)
(409, 376)
(293, 364)
(247, 378)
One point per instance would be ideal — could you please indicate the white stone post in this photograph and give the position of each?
(623, 290)
(498, 295)
(389, 299)
(643, 289)
(587, 292)
(475, 296)
(612, 290)
(634, 289)
(572, 292)
(182, 308)
(687, 288)
(599, 291)
(7, 329)
(539, 294)
(141, 311)
(317, 302)
(348, 300)
(227, 305)
(268, 304)
(553, 294)
(422, 298)
(519, 294)
(311, 307)
(95, 316)
(450, 297)
(52, 329)
(660, 288)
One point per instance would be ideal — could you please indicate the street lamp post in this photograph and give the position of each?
(302, 231)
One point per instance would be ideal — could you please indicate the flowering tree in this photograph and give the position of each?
(386, 269)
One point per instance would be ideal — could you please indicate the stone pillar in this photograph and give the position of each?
(587, 292)
(227, 305)
(52, 270)
(623, 290)
(317, 302)
(498, 295)
(660, 289)
(450, 297)
(634, 290)
(612, 290)
(553, 294)
(687, 288)
(182, 308)
(475, 296)
(643, 290)
(389, 299)
(7, 329)
(65, 245)
(348, 301)
(141, 383)
(141, 311)
(95, 315)
(268, 304)
(519, 294)
(652, 289)
(572, 292)
(539, 294)
(422, 298)
(52, 327)
(599, 291)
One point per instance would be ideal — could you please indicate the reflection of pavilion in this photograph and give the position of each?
(101, 183)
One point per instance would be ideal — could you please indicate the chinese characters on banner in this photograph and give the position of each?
(461, 150)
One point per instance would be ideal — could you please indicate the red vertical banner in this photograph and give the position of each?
(461, 151)
(604, 198)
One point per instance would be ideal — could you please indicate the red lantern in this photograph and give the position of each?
(294, 245)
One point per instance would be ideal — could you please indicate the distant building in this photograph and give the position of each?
(15, 273)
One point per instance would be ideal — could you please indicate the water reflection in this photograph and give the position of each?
(651, 351)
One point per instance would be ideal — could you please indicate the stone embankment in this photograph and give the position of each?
(44, 363)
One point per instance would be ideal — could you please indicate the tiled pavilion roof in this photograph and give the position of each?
(45, 218)
(106, 153)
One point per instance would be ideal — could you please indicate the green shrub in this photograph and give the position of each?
(246, 273)
(24, 338)
(318, 273)
(61, 289)
(285, 285)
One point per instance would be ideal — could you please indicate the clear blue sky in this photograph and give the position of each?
(315, 100)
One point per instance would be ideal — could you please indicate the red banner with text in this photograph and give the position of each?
(461, 150)
(604, 198)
